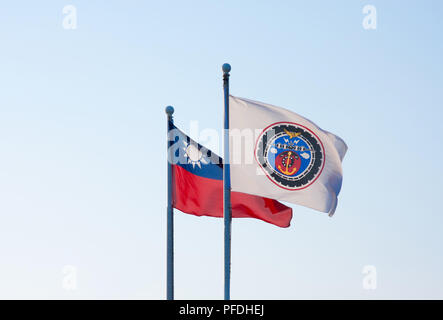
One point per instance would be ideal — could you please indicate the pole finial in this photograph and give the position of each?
(169, 110)
(226, 67)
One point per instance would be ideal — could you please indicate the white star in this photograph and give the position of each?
(194, 155)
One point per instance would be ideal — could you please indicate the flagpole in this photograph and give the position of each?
(227, 184)
(170, 215)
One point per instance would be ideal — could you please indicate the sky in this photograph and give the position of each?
(83, 146)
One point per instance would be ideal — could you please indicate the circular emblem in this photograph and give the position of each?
(291, 155)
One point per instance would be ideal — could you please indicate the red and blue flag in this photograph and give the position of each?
(198, 185)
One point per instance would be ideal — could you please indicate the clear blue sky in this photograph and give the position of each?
(83, 161)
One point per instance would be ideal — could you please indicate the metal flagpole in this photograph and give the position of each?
(170, 214)
(227, 185)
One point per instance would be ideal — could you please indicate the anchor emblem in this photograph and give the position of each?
(288, 162)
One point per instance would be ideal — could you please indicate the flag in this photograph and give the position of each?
(278, 154)
(198, 185)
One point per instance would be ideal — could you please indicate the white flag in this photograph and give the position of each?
(278, 154)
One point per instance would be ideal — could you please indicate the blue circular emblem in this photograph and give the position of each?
(291, 155)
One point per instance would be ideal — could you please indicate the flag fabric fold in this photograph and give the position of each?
(278, 154)
(198, 186)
